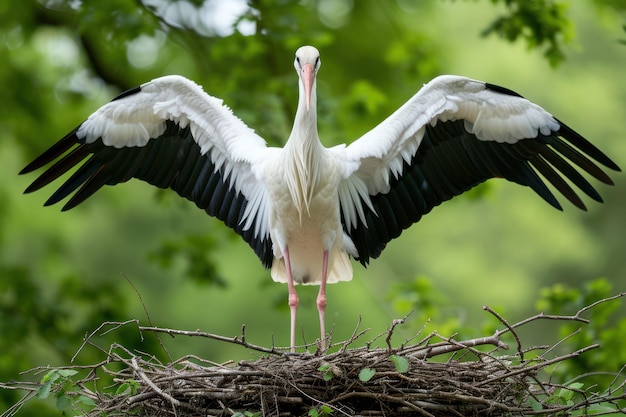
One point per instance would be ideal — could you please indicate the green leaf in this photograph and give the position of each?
(323, 411)
(123, 389)
(51, 376)
(134, 386)
(535, 405)
(127, 388)
(324, 367)
(63, 402)
(86, 401)
(401, 363)
(66, 373)
(327, 373)
(366, 374)
(43, 391)
(567, 393)
(602, 408)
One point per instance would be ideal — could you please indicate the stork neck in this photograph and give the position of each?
(305, 123)
(304, 153)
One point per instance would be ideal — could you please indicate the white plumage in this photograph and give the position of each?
(306, 209)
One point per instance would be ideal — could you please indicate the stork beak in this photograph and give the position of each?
(308, 76)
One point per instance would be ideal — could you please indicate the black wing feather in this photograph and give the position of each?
(79, 177)
(172, 160)
(450, 161)
(586, 147)
(52, 153)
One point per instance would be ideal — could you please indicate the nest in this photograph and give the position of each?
(330, 384)
(434, 376)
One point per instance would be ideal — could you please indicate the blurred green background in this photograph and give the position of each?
(62, 274)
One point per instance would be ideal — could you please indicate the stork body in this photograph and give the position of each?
(305, 219)
(306, 209)
(305, 225)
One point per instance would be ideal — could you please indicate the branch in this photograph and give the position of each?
(234, 340)
(92, 52)
(575, 317)
(152, 385)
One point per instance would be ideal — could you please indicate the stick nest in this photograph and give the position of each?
(435, 376)
(337, 384)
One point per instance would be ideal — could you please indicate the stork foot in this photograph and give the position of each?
(321, 308)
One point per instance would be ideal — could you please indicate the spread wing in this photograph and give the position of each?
(171, 134)
(452, 135)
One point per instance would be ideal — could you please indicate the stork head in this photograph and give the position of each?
(307, 63)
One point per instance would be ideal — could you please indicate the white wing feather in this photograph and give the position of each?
(491, 116)
(231, 145)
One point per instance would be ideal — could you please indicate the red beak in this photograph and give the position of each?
(308, 76)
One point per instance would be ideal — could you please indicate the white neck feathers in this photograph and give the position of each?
(303, 154)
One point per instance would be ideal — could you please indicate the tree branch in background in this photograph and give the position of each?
(100, 67)
(92, 50)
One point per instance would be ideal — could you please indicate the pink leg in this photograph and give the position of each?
(293, 300)
(321, 299)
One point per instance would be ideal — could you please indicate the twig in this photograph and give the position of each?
(198, 333)
(540, 365)
(575, 317)
(318, 401)
(604, 300)
(453, 346)
(355, 335)
(557, 344)
(116, 325)
(15, 408)
(152, 385)
(508, 326)
(394, 323)
(145, 309)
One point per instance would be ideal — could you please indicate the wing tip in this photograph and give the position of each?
(52, 153)
(588, 148)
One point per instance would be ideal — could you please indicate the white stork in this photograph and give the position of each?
(306, 209)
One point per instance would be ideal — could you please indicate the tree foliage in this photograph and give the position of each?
(541, 24)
